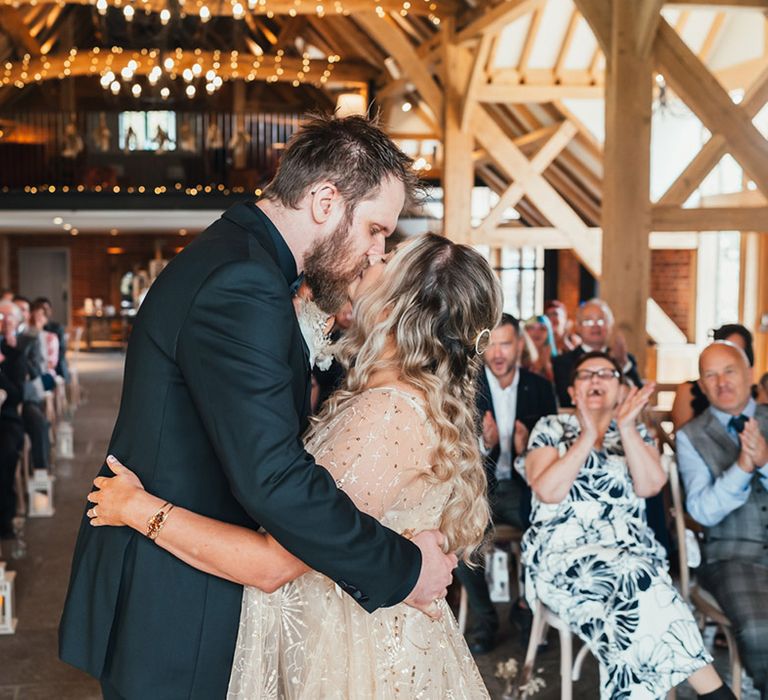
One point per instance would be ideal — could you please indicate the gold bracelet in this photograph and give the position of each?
(156, 522)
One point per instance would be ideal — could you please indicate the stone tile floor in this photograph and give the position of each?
(29, 667)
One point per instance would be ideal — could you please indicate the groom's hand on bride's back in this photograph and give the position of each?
(436, 573)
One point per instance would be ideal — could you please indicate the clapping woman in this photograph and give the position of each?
(589, 553)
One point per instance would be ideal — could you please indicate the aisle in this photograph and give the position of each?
(29, 665)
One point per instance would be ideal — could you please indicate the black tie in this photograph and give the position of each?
(737, 423)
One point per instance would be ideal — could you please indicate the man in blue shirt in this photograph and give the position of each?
(723, 458)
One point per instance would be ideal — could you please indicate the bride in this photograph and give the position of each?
(399, 439)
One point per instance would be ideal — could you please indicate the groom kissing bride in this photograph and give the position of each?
(343, 564)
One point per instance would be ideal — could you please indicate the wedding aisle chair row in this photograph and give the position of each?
(35, 487)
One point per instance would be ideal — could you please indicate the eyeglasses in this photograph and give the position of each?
(584, 375)
(589, 322)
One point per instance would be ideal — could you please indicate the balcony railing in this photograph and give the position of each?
(154, 152)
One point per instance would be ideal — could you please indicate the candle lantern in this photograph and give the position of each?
(7, 620)
(65, 443)
(40, 489)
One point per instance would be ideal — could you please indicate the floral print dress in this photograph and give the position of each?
(593, 561)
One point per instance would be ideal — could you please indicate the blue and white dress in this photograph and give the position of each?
(593, 561)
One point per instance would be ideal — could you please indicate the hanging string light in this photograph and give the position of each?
(114, 67)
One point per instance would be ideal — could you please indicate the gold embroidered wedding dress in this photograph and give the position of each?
(309, 641)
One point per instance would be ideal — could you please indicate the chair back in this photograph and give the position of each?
(76, 333)
(669, 463)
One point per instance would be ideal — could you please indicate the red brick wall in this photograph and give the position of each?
(568, 280)
(673, 286)
(95, 273)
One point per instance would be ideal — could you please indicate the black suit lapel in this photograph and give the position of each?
(246, 216)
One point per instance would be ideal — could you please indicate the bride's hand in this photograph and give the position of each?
(115, 495)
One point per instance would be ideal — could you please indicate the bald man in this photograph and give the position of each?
(723, 458)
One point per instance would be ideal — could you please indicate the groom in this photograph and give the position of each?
(215, 399)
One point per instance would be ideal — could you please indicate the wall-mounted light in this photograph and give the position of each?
(349, 103)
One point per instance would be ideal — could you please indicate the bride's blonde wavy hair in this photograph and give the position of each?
(433, 300)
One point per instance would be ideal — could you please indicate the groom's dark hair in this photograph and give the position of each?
(351, 152)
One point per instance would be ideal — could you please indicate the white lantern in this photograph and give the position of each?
(7, 620)
(65, 443)
(40, 490)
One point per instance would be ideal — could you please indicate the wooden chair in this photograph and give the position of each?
(75, 396)
(703, 602)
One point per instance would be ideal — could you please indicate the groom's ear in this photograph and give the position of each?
(324, 198)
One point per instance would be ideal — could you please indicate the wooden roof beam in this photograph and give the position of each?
(495, 19)
(562, 54)
(542, 195)
(391, 39)
(13, 25)
(701, 91)
(713, 150)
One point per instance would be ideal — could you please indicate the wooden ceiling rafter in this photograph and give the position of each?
(387, 34)
(494, 19)
(13, 24)
(712, 35)
(713, 150)
(541, 193)
(703, 94)
(562, 54)
(530, 40)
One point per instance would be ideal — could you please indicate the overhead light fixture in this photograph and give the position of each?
(165, 16)
(407, 106)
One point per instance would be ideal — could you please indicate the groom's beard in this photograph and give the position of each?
(328, 273)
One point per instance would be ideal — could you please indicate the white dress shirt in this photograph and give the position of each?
(505, 408)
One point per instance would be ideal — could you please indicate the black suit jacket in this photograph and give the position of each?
(563, 365)
(215, 398)
(535, 398)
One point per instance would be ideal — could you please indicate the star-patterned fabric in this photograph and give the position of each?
(308, 640)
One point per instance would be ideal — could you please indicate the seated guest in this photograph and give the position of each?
(24, 305)
(762, 389)
(6, 295)
(594, 324)
(57, 329)
(539, 330)
(510, 400)
(12, 376)
(690, 400)
(565, 339)
(590, 556)
(723, 458)
(36, 425)
(49, 343)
